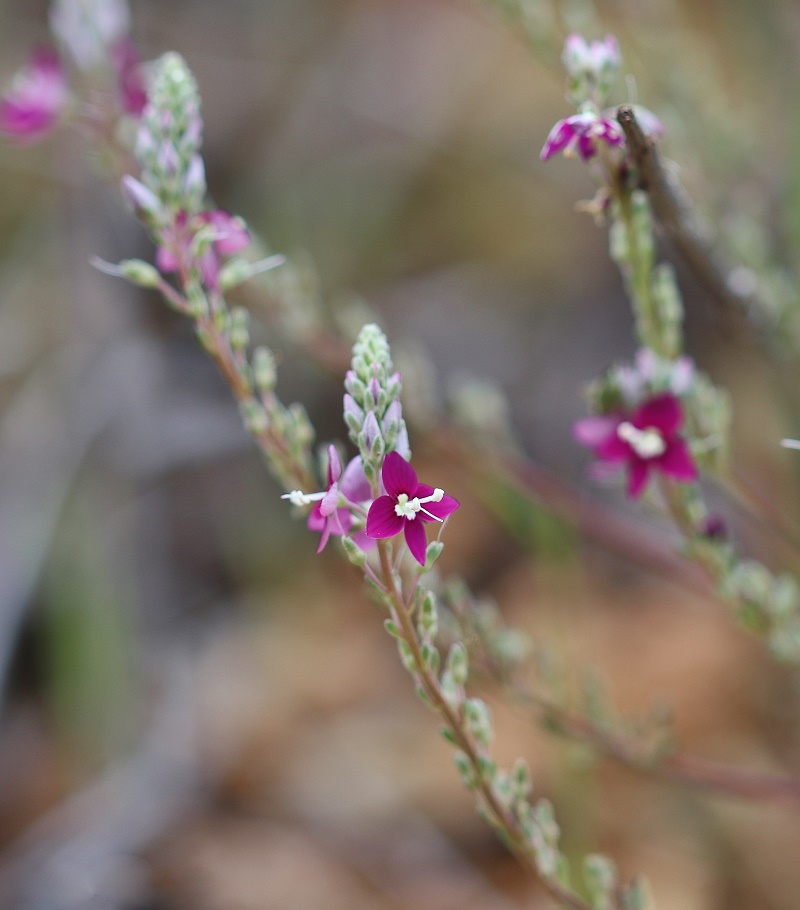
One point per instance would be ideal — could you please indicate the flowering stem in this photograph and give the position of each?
(263, 408)
(661, 759)
(679, 766)
(502, 819)
(636, 266)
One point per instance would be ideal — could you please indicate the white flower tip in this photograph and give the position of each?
(107, 268)
(790, 443)
(271, 262)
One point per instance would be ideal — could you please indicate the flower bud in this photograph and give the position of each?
(142, 201)
(137, 271)
(458, 664)
(265, 374)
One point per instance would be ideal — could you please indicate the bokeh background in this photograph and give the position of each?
(199, 712)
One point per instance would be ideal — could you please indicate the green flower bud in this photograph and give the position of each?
(137, 271)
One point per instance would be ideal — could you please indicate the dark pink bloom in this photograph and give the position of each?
(36, 99)
(647, 439)
(581, 133)
(406, 505)
(130, 79)
(230, 235)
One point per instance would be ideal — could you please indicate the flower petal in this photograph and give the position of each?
(558, 139)
(361, 539)
(334, 465)
(609, 131)
(382, 520)
(416, 540)
(209, 268)
(614, 449)
(231, 232)
(166, 260)
(677, 461)
(592, 431)
(664, 413)
(326, 533)
(586, 146)
(330, 500)
(446, 505)
(398, 476)
(638, 474)
(338, 524)
(316, 520)
(354, 484)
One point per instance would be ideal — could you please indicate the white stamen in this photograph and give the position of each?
(790, 443)
(408, 508)
(299, 498)
(647, 443)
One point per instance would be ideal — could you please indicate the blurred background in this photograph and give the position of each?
(199, 712)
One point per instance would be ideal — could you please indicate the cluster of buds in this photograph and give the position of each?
(372, 409)
(170, 193)
(591, 68)
(93, 37)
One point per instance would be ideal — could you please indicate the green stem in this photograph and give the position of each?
(638, 276)
(503, 819)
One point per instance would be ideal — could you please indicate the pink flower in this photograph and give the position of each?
(329, 516)
(36, 99)
(230, 235)
(647, 439)
(580, 56)
(407, 500)
(581, 133)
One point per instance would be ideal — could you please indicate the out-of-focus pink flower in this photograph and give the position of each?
(407, 500)
(329, 515)
(580, 56)
(229, 236)
(38, 96)
(130, 79)
(580, 133)
(640, 442)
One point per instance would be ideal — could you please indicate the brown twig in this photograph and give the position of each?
(679, 766)
(659, 760)
(693, 239)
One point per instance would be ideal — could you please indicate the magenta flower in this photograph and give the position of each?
(329, 516)
(647, 439)
(230, 236)
(37, 98)
(581, 133)
(407, 500)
